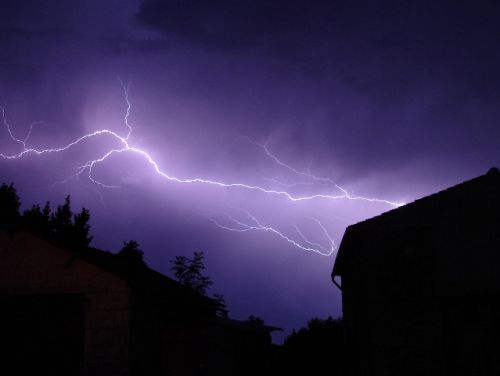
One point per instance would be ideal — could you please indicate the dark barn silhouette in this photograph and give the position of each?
(92, 313)
(421, 285)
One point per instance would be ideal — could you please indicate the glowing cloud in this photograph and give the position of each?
(247, 222)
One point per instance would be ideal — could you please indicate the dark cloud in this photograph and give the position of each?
(374, 26)
(239, 25)
(384, 52)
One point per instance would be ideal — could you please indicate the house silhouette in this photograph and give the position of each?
(421, 285)
(89, 313)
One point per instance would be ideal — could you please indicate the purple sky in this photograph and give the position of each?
(390, 100)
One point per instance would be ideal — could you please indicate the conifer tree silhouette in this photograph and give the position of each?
(81, 229)
(37, 221)
(9, 207)
(61, 223)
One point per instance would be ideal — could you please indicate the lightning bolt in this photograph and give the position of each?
(249, 223)
(344, 194)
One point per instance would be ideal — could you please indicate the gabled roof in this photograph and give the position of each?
(480, 193)
(138, 275)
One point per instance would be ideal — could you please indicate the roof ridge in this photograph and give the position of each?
(492, 172)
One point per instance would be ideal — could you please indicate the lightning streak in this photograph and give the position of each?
(125, 146)
(344, 193)
(253, 224)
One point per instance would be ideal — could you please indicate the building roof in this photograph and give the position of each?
(476, 198)
(137, 275)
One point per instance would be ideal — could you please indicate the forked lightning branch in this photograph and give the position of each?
(241, 223)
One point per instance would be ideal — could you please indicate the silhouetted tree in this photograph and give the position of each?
(222, 311)
(189, 272)
(255, 320)
(321, 345)
(131, 254)
(9, 207)
(62, 226)
(68, 229)
(37, 221)
(81, 228)
(317, 331)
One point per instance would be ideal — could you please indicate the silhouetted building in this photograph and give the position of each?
(421, 285)
(90, 313)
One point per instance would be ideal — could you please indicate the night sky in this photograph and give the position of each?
(288, 115)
